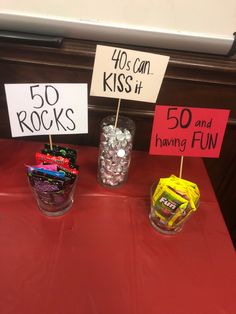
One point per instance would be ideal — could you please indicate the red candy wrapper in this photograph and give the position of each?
(60, 161)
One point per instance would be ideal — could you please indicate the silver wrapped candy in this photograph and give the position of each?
(115, 151)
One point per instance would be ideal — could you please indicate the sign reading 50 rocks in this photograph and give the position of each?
(44, 109)
(127, 74)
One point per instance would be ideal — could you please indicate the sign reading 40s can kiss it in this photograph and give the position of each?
(127, 74)
(188, 131)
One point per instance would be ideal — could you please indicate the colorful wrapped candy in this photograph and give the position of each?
(53, 179)
(173, 200)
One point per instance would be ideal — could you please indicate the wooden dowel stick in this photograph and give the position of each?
(181, 167)
(50, 141)
(117, 112)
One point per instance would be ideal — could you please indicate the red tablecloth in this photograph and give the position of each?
(103, 256)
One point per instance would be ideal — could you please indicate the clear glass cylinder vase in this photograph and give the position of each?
(115, 150)
(164, 218)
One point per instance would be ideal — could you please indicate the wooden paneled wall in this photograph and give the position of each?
(191, 79)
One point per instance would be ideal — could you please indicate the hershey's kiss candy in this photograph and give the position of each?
(114, 157)
(121, 153)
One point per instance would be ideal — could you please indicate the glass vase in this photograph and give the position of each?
(115, 149)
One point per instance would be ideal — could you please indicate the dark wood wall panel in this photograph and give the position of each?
(195, 80)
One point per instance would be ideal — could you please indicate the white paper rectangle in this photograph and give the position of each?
(43, 109)
(127, 74)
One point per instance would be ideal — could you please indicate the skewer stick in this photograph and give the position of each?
(50, 141)
(117, 111)
(181, 167)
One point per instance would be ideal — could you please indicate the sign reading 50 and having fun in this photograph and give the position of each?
(43, 109)
(127, 74)
(188, 131)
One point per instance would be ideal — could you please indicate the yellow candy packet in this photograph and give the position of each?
(174, 199)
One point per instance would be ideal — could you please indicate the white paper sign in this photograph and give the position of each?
(127, 74)
(43, 109)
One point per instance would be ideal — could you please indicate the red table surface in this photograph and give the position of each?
(103, 256)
